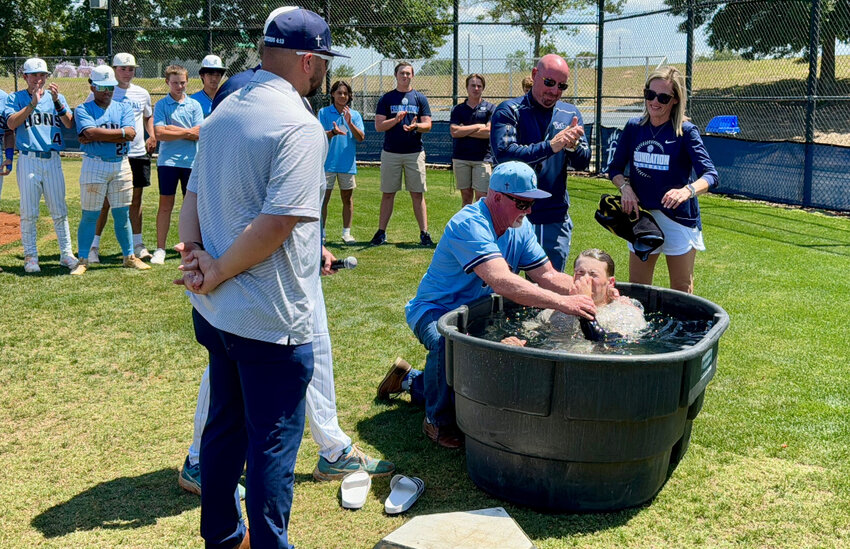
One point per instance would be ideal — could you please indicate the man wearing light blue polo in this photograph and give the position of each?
(176, 123)
(483, 248)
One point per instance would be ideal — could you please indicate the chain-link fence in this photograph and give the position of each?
(779, 68)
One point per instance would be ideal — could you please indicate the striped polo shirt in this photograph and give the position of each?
(262, 152)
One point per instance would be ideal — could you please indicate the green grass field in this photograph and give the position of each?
(99, 376)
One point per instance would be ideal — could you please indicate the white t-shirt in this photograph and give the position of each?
(140, 100)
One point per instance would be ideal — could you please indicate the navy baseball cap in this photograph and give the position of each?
(299, 29)
(517, 179)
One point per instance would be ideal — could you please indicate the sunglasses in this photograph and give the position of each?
(327, 58)
(521, 204)
(549, 82)
(663, 98)
(103, 88)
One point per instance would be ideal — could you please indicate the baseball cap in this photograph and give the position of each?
(298, 29)
(517, 179)
(103, 75)
(212, 63)
(35, 65)
(124, 60)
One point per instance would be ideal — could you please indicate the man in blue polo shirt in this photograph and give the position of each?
(483, 248)
(470, 129)
(176, 122)
(403, 115)
(211, 73)
(547, 134)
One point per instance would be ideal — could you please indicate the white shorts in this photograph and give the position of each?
(100, 179)
(678, 239)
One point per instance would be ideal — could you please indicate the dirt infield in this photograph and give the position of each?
(10, 228)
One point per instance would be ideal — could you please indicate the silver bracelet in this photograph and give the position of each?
(620, 187)
(123, 133)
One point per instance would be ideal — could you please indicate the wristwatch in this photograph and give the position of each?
(692, 189)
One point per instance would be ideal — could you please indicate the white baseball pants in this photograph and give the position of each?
(321, 394)
(37, 176)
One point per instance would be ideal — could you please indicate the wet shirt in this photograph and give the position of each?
(42, 130)
(472, 148)
(115, 116)
(396, 140)
(468, 241)
(183, 114)
(658, 161)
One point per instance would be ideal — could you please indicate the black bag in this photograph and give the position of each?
(644, 233)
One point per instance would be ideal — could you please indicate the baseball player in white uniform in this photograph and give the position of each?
(106, 129)
(8, 142)
(140, 150)
(36, 115)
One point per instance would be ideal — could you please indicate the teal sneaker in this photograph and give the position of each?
(352, 459)
(190, 479)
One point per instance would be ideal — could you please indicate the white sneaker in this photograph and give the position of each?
(348, 239)
(94, 256)
(31, 264)
(141, 252)
(69, 261)
(158, 257)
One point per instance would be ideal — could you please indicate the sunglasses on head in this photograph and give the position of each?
(103, 88)
(521, 204)
(663, 98)
(550, 82)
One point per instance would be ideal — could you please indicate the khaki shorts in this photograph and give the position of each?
(100, 179)
(470, 173)
(413, 165)
(346, 181)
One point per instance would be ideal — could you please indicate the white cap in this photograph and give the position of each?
(124, 60)
(275, 13)
(213, 63)
(35, 65)
(103, 75)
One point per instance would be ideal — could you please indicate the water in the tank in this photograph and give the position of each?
(631, 331)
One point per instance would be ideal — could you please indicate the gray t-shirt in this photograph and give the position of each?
(262, 152)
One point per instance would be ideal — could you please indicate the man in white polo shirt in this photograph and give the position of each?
(250, 237)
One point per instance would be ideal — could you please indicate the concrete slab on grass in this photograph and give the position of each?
(463, 530)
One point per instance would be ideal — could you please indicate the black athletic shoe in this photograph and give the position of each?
(379, 238)
(425, 239)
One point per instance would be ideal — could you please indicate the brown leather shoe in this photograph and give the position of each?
(245, 543)
(391, 384)
(446, 436)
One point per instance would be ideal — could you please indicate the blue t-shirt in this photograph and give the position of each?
(396, 140)
(42, 130)
(204, 100)
(472, 148)
(117, 115)
(3, 96)
(521, 129)
(342, 149)
(235, 82)
(660, 161)
(468, 241)
(184, 114)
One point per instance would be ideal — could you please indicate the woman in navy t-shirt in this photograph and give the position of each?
(661, 149)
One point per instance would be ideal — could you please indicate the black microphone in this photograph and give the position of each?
(347, 263)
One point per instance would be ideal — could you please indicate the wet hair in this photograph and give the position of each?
(527, 83)
(338, 84)
(175, 69)
(598, 255)
(403, 64)
(677, 79)
(478, 76)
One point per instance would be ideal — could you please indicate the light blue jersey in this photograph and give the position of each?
(342, 149)
(183, 114)
(116, 116)
(468, 241)
(42, 130)
(204, 100)
(3, 97)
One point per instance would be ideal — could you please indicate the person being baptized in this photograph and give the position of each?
(593, 273)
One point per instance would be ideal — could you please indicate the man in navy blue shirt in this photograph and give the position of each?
(470, 129)
(548, 135)
(403, 115)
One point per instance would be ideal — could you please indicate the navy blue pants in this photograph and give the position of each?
(256, 413)
(430, 387)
